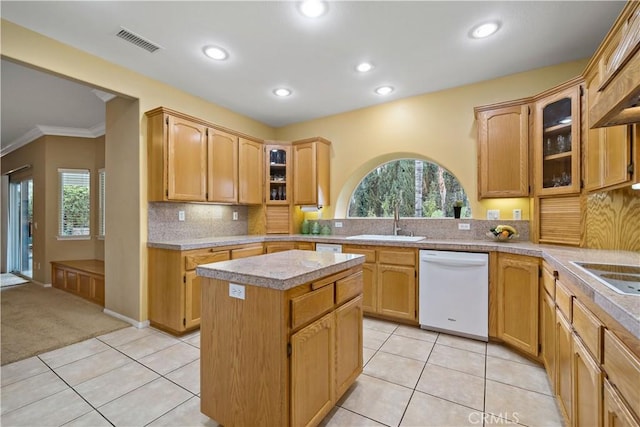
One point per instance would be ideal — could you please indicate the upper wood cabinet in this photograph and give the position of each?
(503, 149)
(311, 159)
(607, 158)
(278, 174)
(222, 171)
(177, 157)
(191, 160)
(556, 140)
(250, 167)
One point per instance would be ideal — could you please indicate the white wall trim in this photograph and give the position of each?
(40, 130)
(104, 96)
(135, 323)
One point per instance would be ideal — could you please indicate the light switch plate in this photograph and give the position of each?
(517, 214)
(493, 214)
(235, 215)
(337, 224)
(464, 226)
(180, 215)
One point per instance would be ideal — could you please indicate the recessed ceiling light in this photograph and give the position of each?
(363, 67)
(282, 92)
(313, 8)
(215, 52)
(384, 90)
(484, 30)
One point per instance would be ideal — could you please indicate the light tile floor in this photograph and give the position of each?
(140, 377)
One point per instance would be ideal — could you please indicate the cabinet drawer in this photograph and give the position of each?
(548, 280)
(348, 287)
(307, 307)
(564, 300)
(194, 260)
(369, 254)
(397, 257)
(622, 369)
(247, 251)
(589, 328)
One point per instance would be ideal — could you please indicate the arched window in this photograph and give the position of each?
(421, 189)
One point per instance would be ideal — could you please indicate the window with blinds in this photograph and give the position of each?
(101, 208)
(75, 203)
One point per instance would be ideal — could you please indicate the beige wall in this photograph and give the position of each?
(436, 126)
(46, 155)
(127, 278)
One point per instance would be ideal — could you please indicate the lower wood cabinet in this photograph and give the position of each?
(548, 334)
(615, 412)
(390, 287)
(563, 385)
(517, 301)
(348, 344)
(587, 386)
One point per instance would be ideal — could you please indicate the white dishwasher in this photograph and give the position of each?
(454, 293)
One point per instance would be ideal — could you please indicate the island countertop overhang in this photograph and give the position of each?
(280, 270)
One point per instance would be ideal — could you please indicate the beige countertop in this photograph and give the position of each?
(280, 270)
(623, 308)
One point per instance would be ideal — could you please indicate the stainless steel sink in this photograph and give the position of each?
(624, 279)
(387, 238)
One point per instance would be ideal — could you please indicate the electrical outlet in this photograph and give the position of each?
(235, 215)
(493, 214)
(337, 224)
(464, 226)
(236, 291)
(180, 215)
(517, 214)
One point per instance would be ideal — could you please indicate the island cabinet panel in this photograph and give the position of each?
(280, 357)
(623, 370)
(312, 372)
(503, 151)
(348, 344)
(246, 363)
(517, 301)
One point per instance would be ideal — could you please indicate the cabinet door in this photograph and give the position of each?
(397, 291)
(305, 182)
(557, 143)
(192, 302)
(313, 371)
(186, 159)
(564, 389)
(222, 167)
(348, 344)
(518, 301)
(250, 164)
(369, 287)
(548, 335)
(616, 413)
(278, 175)
(503, 152)
(587, 387)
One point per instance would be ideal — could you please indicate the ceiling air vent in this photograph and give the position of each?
(137, 40)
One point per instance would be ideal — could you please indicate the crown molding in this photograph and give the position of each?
(40, 130)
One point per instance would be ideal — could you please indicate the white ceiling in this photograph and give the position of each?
(416, 46)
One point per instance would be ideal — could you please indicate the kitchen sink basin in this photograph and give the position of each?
(624, 279)
(387, 238)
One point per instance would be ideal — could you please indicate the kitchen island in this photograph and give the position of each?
(281, 336)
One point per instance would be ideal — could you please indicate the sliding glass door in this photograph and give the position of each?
(20, 244)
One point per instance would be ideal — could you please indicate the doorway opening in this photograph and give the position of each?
(20, 232)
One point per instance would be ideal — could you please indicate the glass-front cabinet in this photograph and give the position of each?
(278, 174)
(557, 143)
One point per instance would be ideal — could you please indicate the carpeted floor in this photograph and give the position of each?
(36, 319)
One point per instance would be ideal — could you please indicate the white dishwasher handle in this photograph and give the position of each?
(454, 262)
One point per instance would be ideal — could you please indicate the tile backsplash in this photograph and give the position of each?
(432, 228)
(200, 220)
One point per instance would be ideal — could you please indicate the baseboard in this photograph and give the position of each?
(133, 322)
